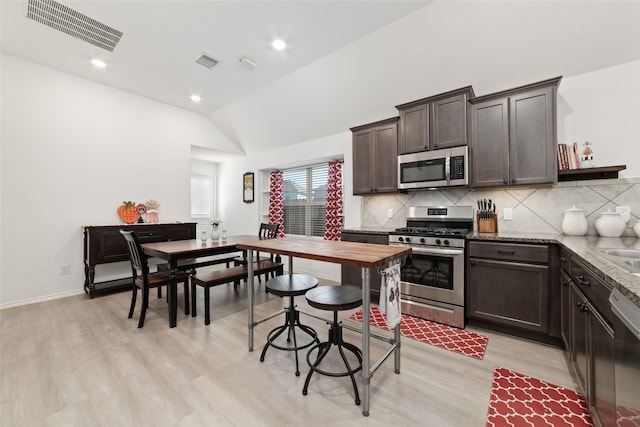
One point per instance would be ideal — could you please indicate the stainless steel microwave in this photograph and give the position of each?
(446, 167)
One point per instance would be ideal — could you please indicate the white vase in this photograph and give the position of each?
(203, 236)
(636, 228)
(610, 224)
(574, 222)
(215, 234)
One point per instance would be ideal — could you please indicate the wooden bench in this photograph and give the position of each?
(190, 263)
(227, 275)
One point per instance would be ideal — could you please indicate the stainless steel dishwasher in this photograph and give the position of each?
(627, 371)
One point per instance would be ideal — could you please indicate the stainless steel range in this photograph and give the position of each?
(432, 277)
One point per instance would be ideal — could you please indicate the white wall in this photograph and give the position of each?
(72, 151)
(602, 107)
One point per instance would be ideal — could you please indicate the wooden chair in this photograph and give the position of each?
(271, 265)
(144, 280)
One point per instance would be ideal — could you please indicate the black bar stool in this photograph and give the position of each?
(334, 298)
(290, 285)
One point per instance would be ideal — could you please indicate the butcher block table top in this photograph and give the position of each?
(346, 253)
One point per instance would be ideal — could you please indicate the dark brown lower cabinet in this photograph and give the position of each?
(353, 275)
(509, 285)
(103, 244)
(590, 341)
(512, 294)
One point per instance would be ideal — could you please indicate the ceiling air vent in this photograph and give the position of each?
(73, 23)
(206, 61)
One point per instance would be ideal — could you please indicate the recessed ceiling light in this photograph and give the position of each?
(195, 98)
(279, 44)
(99, 63)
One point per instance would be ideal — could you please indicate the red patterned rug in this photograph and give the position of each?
(443, 336)
(520, 400)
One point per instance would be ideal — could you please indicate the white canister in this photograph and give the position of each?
(574, 222)
(610, 224)
(636, 228)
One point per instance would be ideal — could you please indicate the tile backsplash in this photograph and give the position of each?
(535, 210)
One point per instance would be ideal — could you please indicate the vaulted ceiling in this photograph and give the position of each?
(346, 63)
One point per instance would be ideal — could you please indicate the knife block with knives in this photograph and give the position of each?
(487, 217)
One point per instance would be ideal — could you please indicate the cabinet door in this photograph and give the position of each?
(110, 245)
(353, 275)
(490, 143)
(181, 232)
(565, 311)
(384, 169)
(511, 294)
(449, 122)
(603, 371)
(414, 129)
(579, 338)
(363, 149)
(532, 138)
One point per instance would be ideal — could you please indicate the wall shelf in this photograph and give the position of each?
(607, 172)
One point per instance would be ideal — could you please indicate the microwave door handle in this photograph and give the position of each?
(447, 169)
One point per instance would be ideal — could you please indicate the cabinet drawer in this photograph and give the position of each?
(596, 291)
(379, 239)
(353, 275)
(565, 260)
(510, 252)
(150, 236)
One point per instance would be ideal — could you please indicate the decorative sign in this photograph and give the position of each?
(247, 187)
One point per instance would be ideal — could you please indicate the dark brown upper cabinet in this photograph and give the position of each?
(375, 148)
(513, 136)
(435, 122)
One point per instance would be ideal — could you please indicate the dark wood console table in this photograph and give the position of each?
(103, 244)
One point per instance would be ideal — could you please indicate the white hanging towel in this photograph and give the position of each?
(390, 295)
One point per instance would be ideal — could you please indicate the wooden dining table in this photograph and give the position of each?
(364, 255)
(176, 250)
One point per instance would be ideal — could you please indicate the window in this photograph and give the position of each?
(305, 197)
(201, 196)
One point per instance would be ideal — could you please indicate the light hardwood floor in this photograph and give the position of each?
(80, 362)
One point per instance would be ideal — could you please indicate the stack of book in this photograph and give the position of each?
(568, 156)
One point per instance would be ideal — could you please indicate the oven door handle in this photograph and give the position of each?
(437, 252)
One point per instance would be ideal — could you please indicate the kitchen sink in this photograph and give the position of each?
(635, 263)
(624, 253)
(627, 259)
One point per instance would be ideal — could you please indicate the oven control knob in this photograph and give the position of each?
(438, 241)
(400, 239)
(446, 242)
(422, 240)
(407, 239)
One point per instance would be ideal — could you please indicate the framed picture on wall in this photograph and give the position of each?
(247, 187)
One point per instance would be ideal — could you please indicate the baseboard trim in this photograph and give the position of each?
(40, 299)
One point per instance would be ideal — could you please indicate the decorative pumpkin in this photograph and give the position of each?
(128, 213)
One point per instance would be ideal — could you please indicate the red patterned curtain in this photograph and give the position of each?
(276, 201)
(333, 213)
